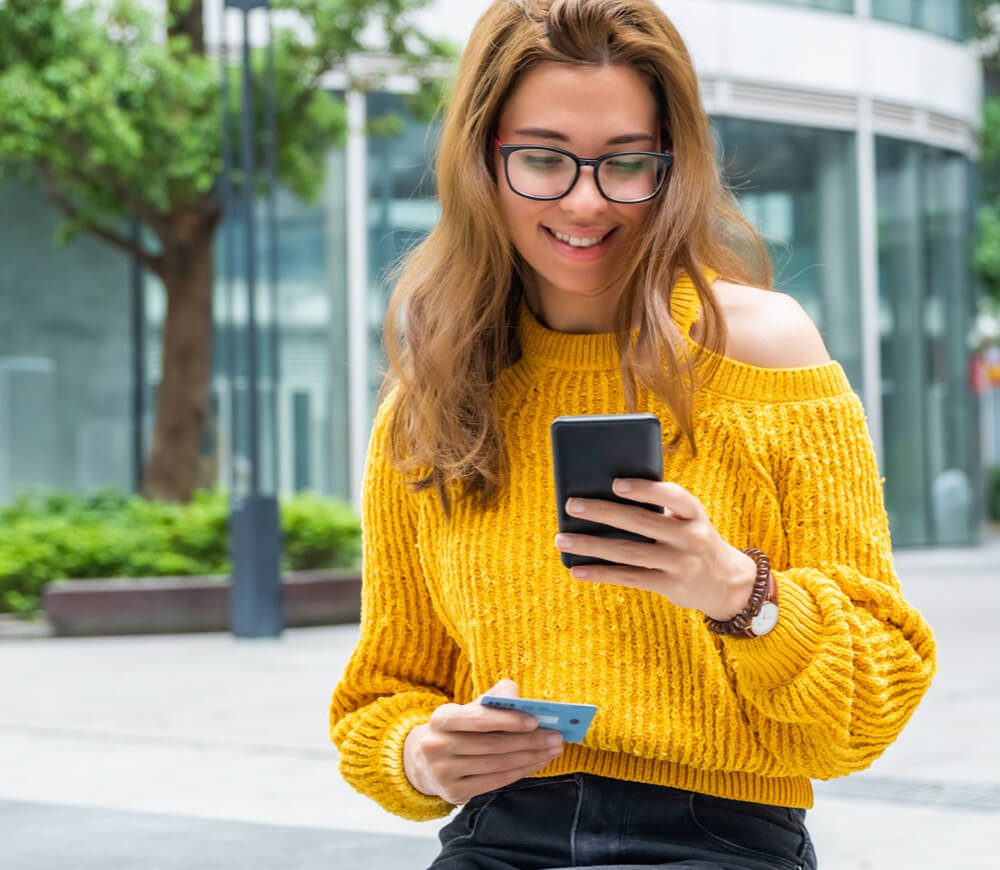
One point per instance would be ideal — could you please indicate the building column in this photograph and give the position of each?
(357, 287)
(871, 355)
(871, 359)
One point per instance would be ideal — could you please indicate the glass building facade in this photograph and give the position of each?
(830, 5)
(78, 375)
(925, 310)
(797, 186)
(402, 209)
(66, 354)
(950, 18)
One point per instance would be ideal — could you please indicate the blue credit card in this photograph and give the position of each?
(570, 720)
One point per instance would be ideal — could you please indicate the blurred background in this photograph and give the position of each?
(200, 205)
(851, 131)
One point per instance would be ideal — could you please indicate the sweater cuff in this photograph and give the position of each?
(778, 657)
(371, 760)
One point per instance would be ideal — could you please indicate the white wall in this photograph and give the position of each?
(787, 63)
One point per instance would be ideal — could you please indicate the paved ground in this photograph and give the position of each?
(202, 751)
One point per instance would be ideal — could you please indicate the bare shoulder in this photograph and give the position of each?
(768, 329)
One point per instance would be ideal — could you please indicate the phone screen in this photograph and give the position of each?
(588, 453)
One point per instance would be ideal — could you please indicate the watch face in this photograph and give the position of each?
(767, 619)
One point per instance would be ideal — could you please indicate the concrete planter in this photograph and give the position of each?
(169, 605)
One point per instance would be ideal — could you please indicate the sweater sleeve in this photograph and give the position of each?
(840, 675)
(403, 666)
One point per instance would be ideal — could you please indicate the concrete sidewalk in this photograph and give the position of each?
(203, 751)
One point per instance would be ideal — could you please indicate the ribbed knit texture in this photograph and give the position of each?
(784, 463)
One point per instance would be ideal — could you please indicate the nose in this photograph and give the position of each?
(584, 199)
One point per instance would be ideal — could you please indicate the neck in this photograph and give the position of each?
(575, 313)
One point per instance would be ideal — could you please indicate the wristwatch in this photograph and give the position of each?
(761, 613)
(766, 616)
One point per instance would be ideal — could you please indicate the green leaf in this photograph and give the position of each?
(46, 536)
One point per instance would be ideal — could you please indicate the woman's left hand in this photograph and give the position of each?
(689, 563)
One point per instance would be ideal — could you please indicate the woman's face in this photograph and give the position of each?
(589, 111)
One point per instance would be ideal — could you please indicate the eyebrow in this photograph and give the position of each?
(542, 133)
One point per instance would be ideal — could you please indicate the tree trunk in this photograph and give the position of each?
(187, 273)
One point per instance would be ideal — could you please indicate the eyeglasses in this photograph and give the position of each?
(542, 172)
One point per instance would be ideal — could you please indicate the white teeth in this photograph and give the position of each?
(579, 243)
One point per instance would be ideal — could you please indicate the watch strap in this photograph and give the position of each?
(761, 613)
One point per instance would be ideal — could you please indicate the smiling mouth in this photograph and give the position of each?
(578, 241)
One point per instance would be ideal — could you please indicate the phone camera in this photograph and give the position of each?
(574, 721)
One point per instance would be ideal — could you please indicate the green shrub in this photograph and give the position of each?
(993, 496)
(318, 533)
(54, 535)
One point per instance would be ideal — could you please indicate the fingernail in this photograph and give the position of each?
(555, 740)
(563, 541)
(580, 573)
(575, 506)
(622, 486)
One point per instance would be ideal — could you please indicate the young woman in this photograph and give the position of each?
(588, 261)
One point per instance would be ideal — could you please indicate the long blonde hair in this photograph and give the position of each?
(450, 328)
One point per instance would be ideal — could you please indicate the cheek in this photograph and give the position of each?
(519, 215)
(639, 214)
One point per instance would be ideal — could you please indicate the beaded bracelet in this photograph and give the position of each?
(763, 590)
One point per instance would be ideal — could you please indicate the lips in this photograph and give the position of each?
(579, 241)
(588, 252)
(582, 239)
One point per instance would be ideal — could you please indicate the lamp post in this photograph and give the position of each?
(255, 604)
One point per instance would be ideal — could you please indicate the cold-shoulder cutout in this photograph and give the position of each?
(774, 352)
(768, 329)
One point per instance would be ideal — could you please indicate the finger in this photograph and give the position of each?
(483, 765)
(502, 742)
(666, 494)
(638, 520)
(476, 717)
(622, 552)
(468, 787)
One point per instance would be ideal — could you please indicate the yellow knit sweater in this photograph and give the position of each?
(784, 463)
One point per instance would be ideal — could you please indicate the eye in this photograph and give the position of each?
(622, 164)
(542, 161)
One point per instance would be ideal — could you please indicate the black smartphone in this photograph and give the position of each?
(588, 453)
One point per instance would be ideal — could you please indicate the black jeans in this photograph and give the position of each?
(580, 820)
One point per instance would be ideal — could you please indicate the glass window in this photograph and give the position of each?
(311, 407)
(402, 209)
(925, 313)
(798, 185)
(65, 354)
(832, 5)
(951, 18)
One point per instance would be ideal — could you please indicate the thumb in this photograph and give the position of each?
(504, 688)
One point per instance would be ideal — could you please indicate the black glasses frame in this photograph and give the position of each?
(666, 157)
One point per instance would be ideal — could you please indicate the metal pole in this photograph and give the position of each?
(228, 256)
(255, 606)
(250, 255)
(270, 120)
(139, 361)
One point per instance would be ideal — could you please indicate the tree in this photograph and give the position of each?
(115, 110)
(987, 253)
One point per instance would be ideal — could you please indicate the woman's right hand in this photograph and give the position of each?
(468, 749)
